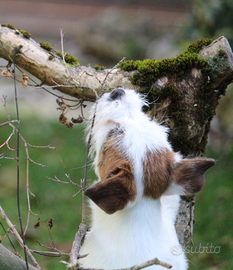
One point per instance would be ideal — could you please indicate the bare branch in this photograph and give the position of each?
(18, 238)
(34, 59)
(63, 58)
(53, 253)
(64, 182)
(149, 263)
(155, 261)
(79, 236)
(26, 146)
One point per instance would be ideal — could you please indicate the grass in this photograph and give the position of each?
(213, 215)
(213, 210)
(55, 199)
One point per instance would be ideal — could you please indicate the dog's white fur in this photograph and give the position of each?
(137, 225)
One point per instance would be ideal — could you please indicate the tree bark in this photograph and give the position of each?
(81, 80)
(9, 261)
(186, 103)
(189, 120)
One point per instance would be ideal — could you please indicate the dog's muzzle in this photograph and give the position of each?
(117, 94)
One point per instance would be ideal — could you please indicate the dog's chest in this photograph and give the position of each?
(128, 237)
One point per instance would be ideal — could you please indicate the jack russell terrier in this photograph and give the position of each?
(135, 201)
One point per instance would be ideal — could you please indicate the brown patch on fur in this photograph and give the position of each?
(158, 168)
(113, 193)
(117, 186)
(110, 158)
(189, 173)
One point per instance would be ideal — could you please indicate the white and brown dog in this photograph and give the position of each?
(132, 215)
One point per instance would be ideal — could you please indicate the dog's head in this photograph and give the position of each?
(133, 157)
(118, 105)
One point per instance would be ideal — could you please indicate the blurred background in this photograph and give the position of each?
(103, 32)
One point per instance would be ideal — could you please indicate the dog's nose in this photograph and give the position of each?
(117, 93)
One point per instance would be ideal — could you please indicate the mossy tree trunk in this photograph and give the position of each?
(186, 103)
(183, 91)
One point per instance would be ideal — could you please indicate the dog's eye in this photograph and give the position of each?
(115, 172)
(117, 94)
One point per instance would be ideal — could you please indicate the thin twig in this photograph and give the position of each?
(83, 227)
(53, 253)
(27, 186)
(77, 243)
(6, 123)
(50, 254)
(49, 230)
(149, 263)
(109, 72)
(86, 166)
(6, 233)
(8, 139)
(63, 56)
(155, 261)
(18, 197)
(64, 182)
(18, 238)
(36, 85)
(26, 146)
(76, 83)
(89, 143)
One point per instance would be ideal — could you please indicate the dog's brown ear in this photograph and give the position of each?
(190, 174)
(114, 192)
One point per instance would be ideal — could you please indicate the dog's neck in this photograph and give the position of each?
(140, 215)
(129, 227)
(130, 236)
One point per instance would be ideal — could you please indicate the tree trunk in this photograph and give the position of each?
(183, 91)
(187, 104)
(9, 261)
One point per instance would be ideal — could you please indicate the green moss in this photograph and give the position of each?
(17, 49)
(98, 67)
(222, 53)
(129, 65)
(177, 111)
(70, 59)
(197, 46)
(149, 71)
(51, 57)
(25, 33)
(46, 46)
(59, 53)
(10, 26)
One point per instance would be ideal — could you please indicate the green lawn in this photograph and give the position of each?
(214, 215)
(55, 199)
